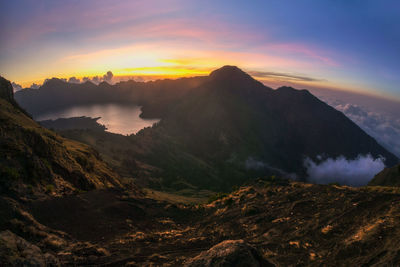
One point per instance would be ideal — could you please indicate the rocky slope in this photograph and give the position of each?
(271, 222)
(34, 160)
(387, 177)
(37, 164)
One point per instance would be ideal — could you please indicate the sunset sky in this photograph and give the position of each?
(347, 45)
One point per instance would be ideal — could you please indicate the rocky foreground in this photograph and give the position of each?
(265, 224)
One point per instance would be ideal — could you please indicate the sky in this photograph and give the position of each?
(335, 44)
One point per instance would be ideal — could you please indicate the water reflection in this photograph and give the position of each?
(122, 119)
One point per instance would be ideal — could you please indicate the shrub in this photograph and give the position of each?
(9, 173)
(49, 188)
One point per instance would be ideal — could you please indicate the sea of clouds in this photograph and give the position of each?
(356, 172)
(380, 121)
(384, 128)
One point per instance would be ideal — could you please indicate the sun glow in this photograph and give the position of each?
(165, 71)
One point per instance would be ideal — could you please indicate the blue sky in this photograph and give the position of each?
(348, 45)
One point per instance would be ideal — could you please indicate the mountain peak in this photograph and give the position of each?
(229, 72)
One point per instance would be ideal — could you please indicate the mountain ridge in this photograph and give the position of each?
(219, 123)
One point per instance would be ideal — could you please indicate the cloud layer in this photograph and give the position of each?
(357, 172)
(385, 129)
(281, 75)
(108, 77)
(16, 87)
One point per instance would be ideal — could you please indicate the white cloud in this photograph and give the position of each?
(357, 172)
(385, 129)
(73, 80)
(96, 79)
(16, 86)
(253, 164)
(108, 77)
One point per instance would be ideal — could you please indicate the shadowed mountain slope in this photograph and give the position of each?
(239, 128)
(221, 130)
(237, 116)
(387, 177)
(35, 160)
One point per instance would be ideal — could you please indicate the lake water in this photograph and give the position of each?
(121, 119)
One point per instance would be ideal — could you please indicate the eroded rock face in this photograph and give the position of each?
(229, 253)
(6, 90)
(16, 251)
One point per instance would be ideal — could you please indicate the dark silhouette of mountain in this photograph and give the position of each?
(6, 91)
(232, 120)
(56, 94)
(34, 160)
(73, 123)
(221, 130)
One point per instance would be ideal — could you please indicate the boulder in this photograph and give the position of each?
(16, 251)
(229, 253)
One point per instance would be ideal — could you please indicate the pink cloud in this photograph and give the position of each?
(85, 19)
(211, 32)
(307, 50)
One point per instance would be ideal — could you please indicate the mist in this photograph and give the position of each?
(357, 172)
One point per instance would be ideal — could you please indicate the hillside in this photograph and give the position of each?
(273, 222)
(37, 161)
(387, 177)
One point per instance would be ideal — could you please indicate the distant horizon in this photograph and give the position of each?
(354, 47)
(267, 82)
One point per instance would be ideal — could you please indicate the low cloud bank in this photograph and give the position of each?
(74, 80)
(108, 77)
(16, 86)
(385, 129)
(357, 172)
(253, 164)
